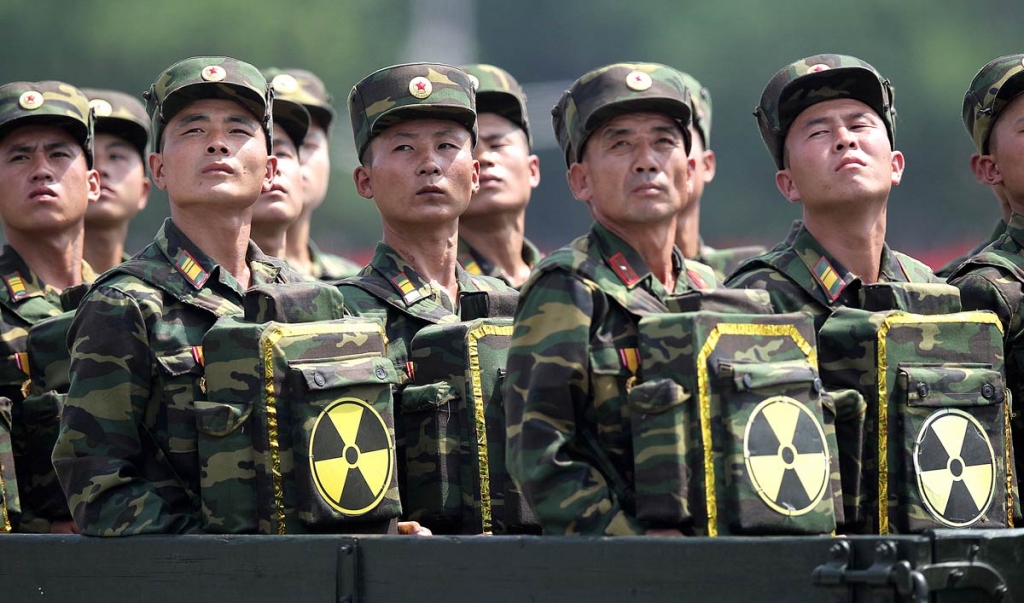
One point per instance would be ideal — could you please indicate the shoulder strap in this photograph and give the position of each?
(637, 301)
(376, 286)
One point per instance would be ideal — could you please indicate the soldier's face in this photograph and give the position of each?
(124, 187)
(1003, 167)
(46, 183)
(316, 165)
(508, 172)
(282, 204)
(422, 172)
(839, 153)
(214, 151)
(635, 170)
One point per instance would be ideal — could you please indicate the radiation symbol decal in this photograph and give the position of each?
(955, 467)
(351, 456)
(786, 456)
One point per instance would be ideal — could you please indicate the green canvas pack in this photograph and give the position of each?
(936, 437)
(454, 416)
(729, 426)
(916, 298)
(10, 504)
(297, 432)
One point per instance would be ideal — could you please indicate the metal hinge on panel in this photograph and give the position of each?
(348, 571)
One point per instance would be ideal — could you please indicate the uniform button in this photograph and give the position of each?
(748, 380)
(380, 372)
(922, 390)
(987, 391)
(319, 379)
(817, 385)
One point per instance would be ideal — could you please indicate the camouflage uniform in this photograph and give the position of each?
(799, 274)
(994, 278)
(303, 87)
(948, 268)
(574, 352)
(25, 300)
(126, 455)
(475, 263)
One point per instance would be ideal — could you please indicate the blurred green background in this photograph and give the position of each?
(929, 50)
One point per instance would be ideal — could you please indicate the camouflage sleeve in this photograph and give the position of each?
(547, 383)
(100, 451)
(988, 289)
(784, 295)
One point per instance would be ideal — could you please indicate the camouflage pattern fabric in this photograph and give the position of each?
(994, 280)
(725, 261)
(390, 290)
(198, 78)
(729, 429)
(801, 276)
(285, 404)
(418, 90)
(48, 102)
(126, 455)
(947, 269)
(290, 115)
(303, 87)
(609, 91)
(121, 115)
(573, 359)
(330, 267)
(815, 79)
(475, 263)
(700, 100)
(936, 436)
(10, 500)
(993, 87)
(498, 92)
(25, 301)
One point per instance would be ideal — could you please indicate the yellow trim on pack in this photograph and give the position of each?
(1008, 457)
(704, 396)
(902, 318)
(5, 525)
(473, 336)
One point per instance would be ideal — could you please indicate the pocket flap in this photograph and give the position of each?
(180, 361)
(220, 419)
(944, 385)
(614, 361)
(759, 375)
(425, 397)
(341, 373)
(658, 396)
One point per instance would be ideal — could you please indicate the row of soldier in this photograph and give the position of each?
(610, 419)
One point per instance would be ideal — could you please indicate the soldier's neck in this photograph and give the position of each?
(270, 240)
(56, 258)
(224, 237)
(296, 243)
(855, 239)
(499, 238)
(654, 242)
(688, 230)
(104, 245)
(430, 249)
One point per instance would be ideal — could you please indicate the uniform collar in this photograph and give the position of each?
(629, 267)
(21, 283)
(409, 284)
(830, 276)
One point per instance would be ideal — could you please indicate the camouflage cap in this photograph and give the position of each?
(816, 79)
(614, 90)
(998, 83)
(412, 91)
(199, 78)
(48, 102)
(303, 87)
(120, 114)
(498, 92)
(700, 100)
(290, 114)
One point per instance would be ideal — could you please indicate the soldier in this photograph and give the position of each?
(722, 261)
(414, 128)
(122, 138)
(829, 123)
(46, 165)
(279, 207)
(993, 279)
(126, 454)
(491, 239)
(624, 129)
(300, 86)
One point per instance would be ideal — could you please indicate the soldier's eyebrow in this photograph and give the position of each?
(28, 147)
(118, 143)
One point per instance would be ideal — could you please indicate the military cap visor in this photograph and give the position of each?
(507, 106)
(179, 98)
(1009, 90)
(464, 117)
(303, 87)
(672, 107)
(79, 131)
(294, 118)
(120, 115)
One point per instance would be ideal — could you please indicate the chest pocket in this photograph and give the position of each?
(173, 421)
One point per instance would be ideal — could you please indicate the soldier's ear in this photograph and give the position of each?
(156, 170)
(579, 182)
(534, 164)
(898, 164)
(985, 169)
(93, 180)
(268, 177)
(476, 176)
(710, 164)
(364, 184)
(784, 181)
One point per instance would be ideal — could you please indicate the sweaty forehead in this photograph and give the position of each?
(32, 134)
(637, 122)
(213, 108)
(425, 128)
(840, 108)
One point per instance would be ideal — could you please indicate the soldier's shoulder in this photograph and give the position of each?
(333, 267)
(916, 270)
(361, 296)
